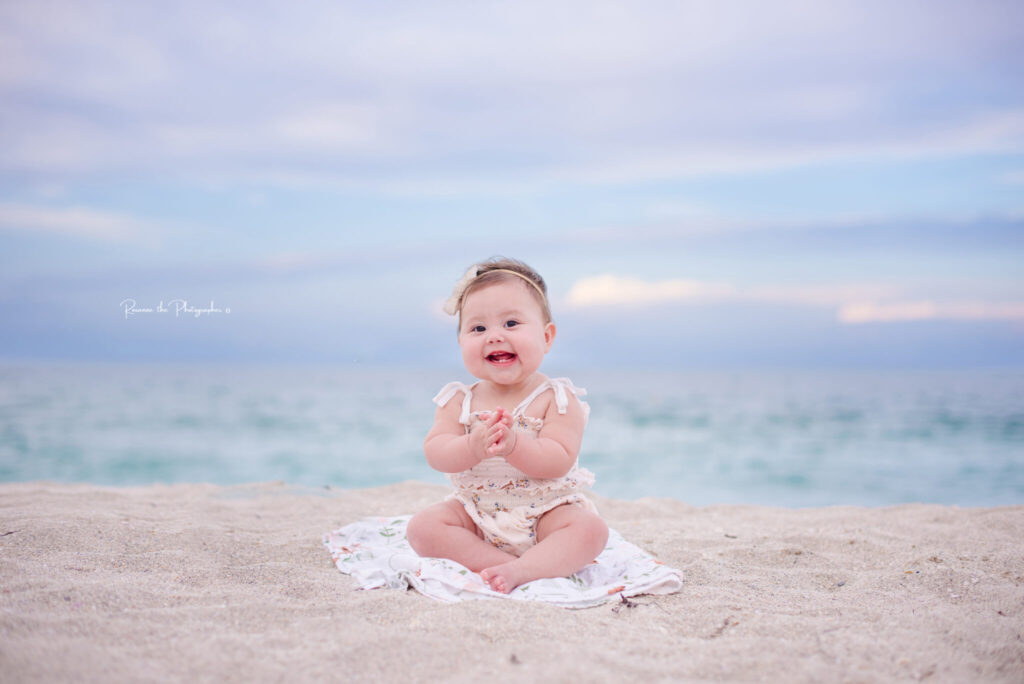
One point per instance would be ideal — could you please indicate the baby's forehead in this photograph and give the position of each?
(506, 287)
(510, 295)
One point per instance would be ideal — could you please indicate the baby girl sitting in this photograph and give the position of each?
(517, 513)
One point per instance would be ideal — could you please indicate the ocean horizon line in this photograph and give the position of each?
(457, 368)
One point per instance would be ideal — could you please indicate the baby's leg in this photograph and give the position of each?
(568, 538)
(445, 530)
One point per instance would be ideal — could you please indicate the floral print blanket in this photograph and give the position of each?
(375, 553)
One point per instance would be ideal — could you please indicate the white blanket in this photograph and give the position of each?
(375, 553)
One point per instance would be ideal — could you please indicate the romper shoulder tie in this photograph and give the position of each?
(449, 391)
(559, 386)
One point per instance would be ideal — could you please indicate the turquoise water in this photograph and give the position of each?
(802, 438)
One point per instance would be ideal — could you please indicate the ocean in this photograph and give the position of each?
(779, 438)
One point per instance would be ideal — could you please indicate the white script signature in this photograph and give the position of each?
(175, 306)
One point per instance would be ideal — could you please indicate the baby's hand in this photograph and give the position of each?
(478, 434)
(501, 438)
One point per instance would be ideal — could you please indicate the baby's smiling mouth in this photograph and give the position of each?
(501, 357)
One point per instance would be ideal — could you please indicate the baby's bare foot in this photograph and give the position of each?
(506, 577)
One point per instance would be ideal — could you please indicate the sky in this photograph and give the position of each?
(702, 184)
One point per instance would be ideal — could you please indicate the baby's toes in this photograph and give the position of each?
(489, 577)
(495, 581)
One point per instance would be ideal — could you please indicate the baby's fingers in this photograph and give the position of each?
(496, 437)
(495, 434)
(491, 418)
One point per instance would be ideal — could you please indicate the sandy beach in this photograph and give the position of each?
(205, 583)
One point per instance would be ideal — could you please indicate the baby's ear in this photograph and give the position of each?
(549, 336)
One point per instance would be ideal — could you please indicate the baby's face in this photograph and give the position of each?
(503, 335)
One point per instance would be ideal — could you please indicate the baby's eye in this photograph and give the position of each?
(511, 324)
(477, 329)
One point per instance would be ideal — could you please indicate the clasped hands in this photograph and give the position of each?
(493, 435)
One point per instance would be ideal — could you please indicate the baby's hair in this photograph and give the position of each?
(498, 269)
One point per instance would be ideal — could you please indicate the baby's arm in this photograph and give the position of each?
(554, 451)
(448, 447)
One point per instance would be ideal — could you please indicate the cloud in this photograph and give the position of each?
(82, 222)
(617, 290)
(925, 310)
(613, 290)
(853, 303)
(425, 101)
(987, 133)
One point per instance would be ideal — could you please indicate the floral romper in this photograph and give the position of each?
(503, 501)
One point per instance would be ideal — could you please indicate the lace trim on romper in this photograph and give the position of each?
(502, 500)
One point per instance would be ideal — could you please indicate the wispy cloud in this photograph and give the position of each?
(852, 303)
(613, 290)
(81, 222)
(985, 133)
(426, 103)
(926, 310)
(617, 290)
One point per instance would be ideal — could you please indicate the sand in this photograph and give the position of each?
(204, 583)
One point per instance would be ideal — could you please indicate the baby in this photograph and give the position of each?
(517, 513)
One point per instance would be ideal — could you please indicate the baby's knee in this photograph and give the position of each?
(596, 531)
(419, 531)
